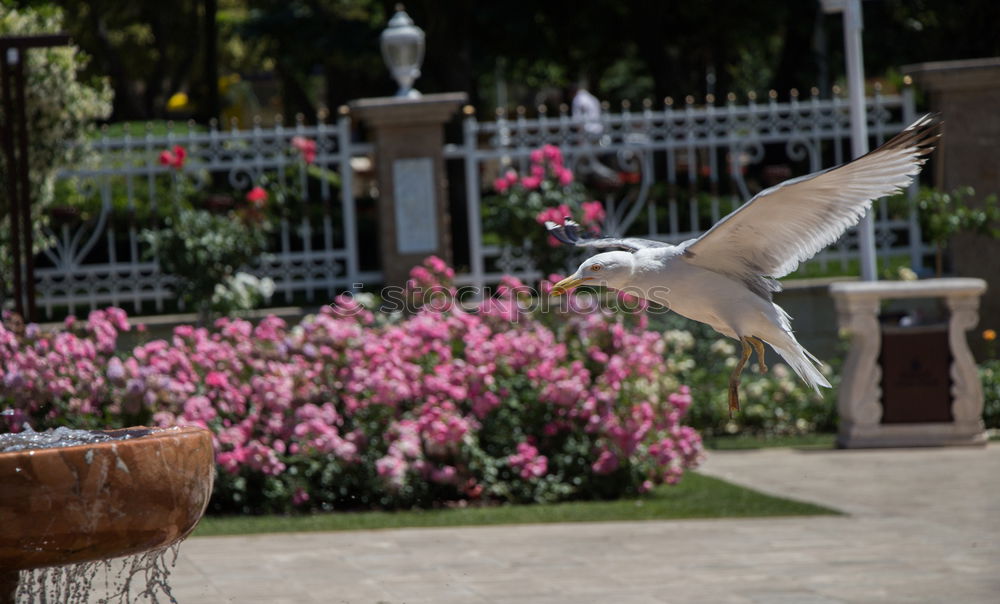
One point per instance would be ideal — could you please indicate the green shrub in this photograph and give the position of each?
(776, 403)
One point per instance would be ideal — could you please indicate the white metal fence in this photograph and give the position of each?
(707, 160)
(102, 260)
(691, 165)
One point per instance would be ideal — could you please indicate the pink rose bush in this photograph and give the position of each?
(351, 409)
(548, 191)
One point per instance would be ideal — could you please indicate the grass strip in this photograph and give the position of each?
(697, 496)
(800, 441)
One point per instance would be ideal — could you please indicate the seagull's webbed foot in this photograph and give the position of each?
(758, 346)
(734, 377)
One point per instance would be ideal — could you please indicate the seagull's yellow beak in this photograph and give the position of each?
(567, 284)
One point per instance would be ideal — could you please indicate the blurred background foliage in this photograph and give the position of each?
(234, 58)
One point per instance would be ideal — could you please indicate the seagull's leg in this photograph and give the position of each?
(734, 378)
(759, 347)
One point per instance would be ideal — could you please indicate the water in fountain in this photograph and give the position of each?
(60, 437)
(142, 577)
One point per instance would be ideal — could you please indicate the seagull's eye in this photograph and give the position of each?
(595, 267)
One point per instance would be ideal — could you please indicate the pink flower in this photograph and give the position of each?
(553, 154)
(593, 212)
(546, 284)
(257, 196)
(551, 215)
(606, 463)
(537, 156)
(501, 185)
(528, 462)
(444, 475)
(116, 371)
(511, 177)
(300, 496)
(565, 176)
(531, 182)
(216, 379)
(305, 146)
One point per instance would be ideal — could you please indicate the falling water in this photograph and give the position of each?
(142, 577)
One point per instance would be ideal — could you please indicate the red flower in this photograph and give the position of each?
(166, 158)
(257, 196)
(173, 158)
(629, 178)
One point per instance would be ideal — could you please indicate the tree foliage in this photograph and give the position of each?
(945, 215)
(516, 52)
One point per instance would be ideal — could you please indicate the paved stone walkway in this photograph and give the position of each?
(922, 525)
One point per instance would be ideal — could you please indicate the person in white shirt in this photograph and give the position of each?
(587, 109)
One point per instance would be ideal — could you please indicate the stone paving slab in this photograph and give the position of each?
(922, 525)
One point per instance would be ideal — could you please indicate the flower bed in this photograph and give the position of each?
(349, 409)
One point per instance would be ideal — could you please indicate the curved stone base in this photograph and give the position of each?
(859, 401)
(911, 435)
(105, 500)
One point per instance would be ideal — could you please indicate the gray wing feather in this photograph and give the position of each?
(570, 233)
(780, 227)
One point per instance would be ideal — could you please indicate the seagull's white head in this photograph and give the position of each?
(610, 269)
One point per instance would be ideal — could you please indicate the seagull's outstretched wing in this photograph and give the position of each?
(780, 227)
(569, 233)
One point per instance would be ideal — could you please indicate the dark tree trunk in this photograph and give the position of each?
(210, 109)
(798, 59)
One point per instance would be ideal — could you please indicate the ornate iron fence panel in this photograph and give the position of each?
(684, 166)
(97, 256)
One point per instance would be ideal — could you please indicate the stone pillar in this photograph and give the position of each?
(967, 94)
(414, 221)
(859, 401)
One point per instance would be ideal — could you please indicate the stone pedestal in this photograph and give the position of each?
(414, 221)
(860, 398)
(967, 94)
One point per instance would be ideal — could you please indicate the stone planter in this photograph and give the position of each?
(907, 386)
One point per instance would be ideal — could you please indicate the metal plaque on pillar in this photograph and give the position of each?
(416, 206)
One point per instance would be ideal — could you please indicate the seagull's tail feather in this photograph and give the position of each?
(802, 362)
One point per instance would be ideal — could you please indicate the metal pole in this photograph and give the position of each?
(472, 189)
(26, 221)
(9, 56)
(12, 53)
(859, 125)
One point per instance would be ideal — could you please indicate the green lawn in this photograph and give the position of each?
(696, 496)
(802, 441)
(138, 128)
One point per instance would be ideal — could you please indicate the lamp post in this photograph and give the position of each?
(403, 51)
(851, 10)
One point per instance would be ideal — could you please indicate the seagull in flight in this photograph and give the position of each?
(727, 276)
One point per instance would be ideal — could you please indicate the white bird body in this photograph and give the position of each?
(726, 277)
(664, 276)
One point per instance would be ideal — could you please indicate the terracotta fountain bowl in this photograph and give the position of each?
(104, 500)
